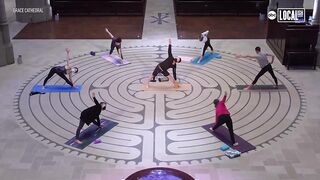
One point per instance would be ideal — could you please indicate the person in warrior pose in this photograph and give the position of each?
(115, 43)
(223, 116)
(62, 71)
(163, 67)
(204, 39)
(265, 65)
(89, 116)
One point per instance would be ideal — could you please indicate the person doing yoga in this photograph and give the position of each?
(89, 116)
(223, 116)
(62, 71)
(163, 67)
(265, 65)
(204, 39)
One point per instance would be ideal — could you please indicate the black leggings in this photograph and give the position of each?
(81, 124)
(264, 70)
(206, 45)
(225, 119)
(55, 71)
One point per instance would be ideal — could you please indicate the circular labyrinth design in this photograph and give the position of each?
(163, 128)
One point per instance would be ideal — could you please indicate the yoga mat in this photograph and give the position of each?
(262, 88)
(92, 133)
(56, 88)
(186, 58)
(208, 56)
(114, 59)
(223, 135)
(162, 86)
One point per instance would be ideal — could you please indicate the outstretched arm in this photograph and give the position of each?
(169, 49)
(120, 52)
(68, 65)
(94, 98)
(224, 97)
(98, 123)
(174, 72)
(68, 56)
(205, 33)
(107, 30)
(272, 57)
(246, 56)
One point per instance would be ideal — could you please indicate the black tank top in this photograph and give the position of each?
(61, 69)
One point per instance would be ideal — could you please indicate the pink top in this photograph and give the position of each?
(221, 108)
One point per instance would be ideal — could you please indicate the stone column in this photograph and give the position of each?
(272, 5)
(29, 17)
(315, 20)
(315, 14)
(6, 50)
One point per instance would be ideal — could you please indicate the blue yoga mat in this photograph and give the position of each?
(223, 135)
(92, 133)
(56, 88)
(208, 56)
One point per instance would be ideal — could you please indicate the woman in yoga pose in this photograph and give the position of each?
(163, 67)
(62, 71)
(223, 116)
(204, 39)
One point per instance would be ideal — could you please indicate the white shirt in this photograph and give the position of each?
(262, 59)
(204, 36)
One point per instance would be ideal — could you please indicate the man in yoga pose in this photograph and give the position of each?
(163, 67)
(62, 71)
(204, 39)
(115, 43)
(89, 115)
(223, 116)
(265, 65)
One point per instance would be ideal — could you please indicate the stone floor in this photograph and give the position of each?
(151, 129)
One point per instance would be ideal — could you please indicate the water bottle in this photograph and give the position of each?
(56, 17)
(310, 20)
(19, 60)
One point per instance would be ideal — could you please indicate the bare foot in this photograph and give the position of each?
(78, 141)
(43, 87)
(248, 87)
(235, 144)
(176, 85)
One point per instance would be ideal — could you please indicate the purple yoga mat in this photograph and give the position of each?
(222, 133)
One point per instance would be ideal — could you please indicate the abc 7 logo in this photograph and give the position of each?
(272, 15)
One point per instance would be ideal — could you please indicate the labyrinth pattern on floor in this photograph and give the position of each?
(164, 127)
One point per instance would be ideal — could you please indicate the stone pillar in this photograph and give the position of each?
(272, 5)
(6, 50)
(315, 14)
(27, 16)
(315, 20)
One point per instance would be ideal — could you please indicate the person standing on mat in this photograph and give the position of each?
(204, 39)
(115, 43)
(223, 116)
(265, 65)
(89, 116)
(163, 67)
(62, 71)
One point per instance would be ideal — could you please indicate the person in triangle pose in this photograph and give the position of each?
(89, 116)
(115, 43)
(163, 67)
(223, 116)
(204, 39)
(62, 71)
(265, 65)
